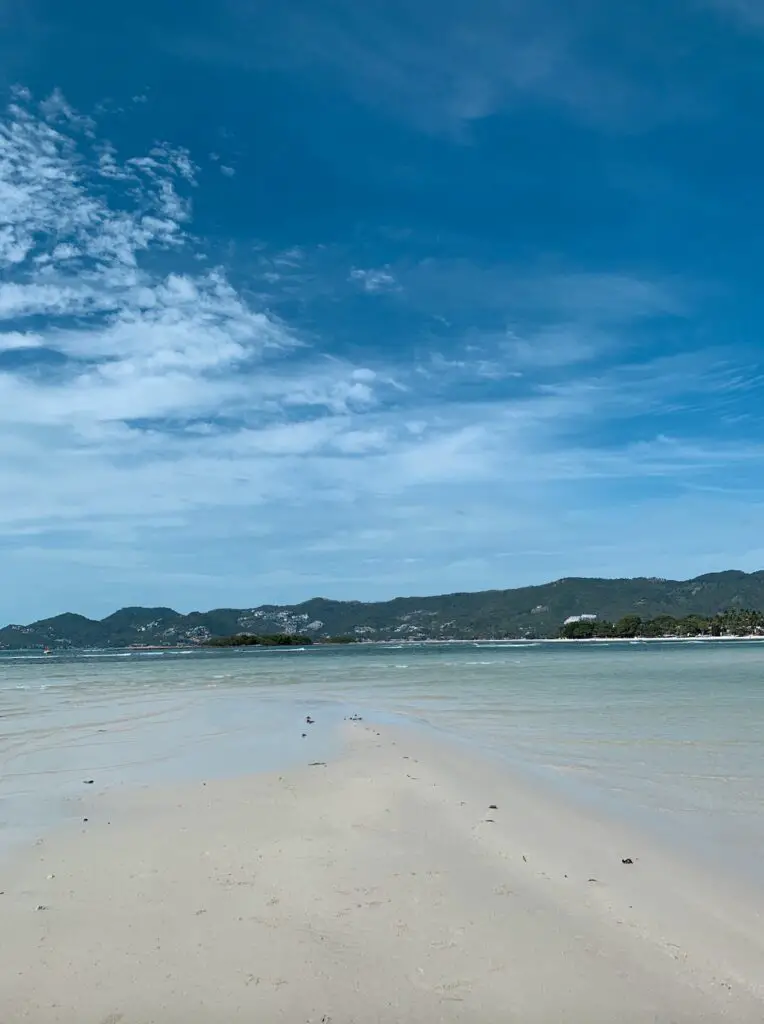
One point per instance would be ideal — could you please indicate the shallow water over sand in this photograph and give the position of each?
(667, 735)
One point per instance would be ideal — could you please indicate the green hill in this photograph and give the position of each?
(524, 612)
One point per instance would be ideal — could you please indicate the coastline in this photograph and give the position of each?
(397, 642)
(380, 886)
(585, 640)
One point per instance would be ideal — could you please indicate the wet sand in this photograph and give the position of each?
(381, 886)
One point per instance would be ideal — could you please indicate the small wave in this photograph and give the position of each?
(570, 769)
(126, 654)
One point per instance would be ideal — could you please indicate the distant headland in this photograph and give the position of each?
(575, 607)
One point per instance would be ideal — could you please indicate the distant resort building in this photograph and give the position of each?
(579, 618)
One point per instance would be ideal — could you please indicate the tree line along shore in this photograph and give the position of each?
(737, 622)
(272, 640)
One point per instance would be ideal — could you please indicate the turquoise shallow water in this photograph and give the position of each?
(670, 736)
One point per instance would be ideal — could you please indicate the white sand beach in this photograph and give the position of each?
(381, 887)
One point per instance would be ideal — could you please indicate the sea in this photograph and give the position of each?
(667, 736)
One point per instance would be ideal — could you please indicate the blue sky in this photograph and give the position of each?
(361, 300)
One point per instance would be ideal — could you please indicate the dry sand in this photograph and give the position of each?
(381, 887)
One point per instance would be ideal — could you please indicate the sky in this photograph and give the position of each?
(363, 300)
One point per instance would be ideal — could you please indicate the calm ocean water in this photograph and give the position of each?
(668, 735)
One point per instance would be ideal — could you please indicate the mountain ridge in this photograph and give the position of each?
(523, 612)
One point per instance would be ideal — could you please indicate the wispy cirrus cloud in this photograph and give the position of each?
(749, 13)
(98, 249)
(604, 297)
(444, 68)
(99, 271)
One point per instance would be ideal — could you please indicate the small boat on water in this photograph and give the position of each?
(46, 650)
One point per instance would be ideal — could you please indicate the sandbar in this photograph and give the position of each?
(405, 880)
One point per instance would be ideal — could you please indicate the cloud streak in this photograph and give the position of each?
(749, 13)
(444, 68)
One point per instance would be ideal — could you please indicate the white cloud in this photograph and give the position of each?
(10, 340)
(156, 340)
(371, 280)
(141, 342)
